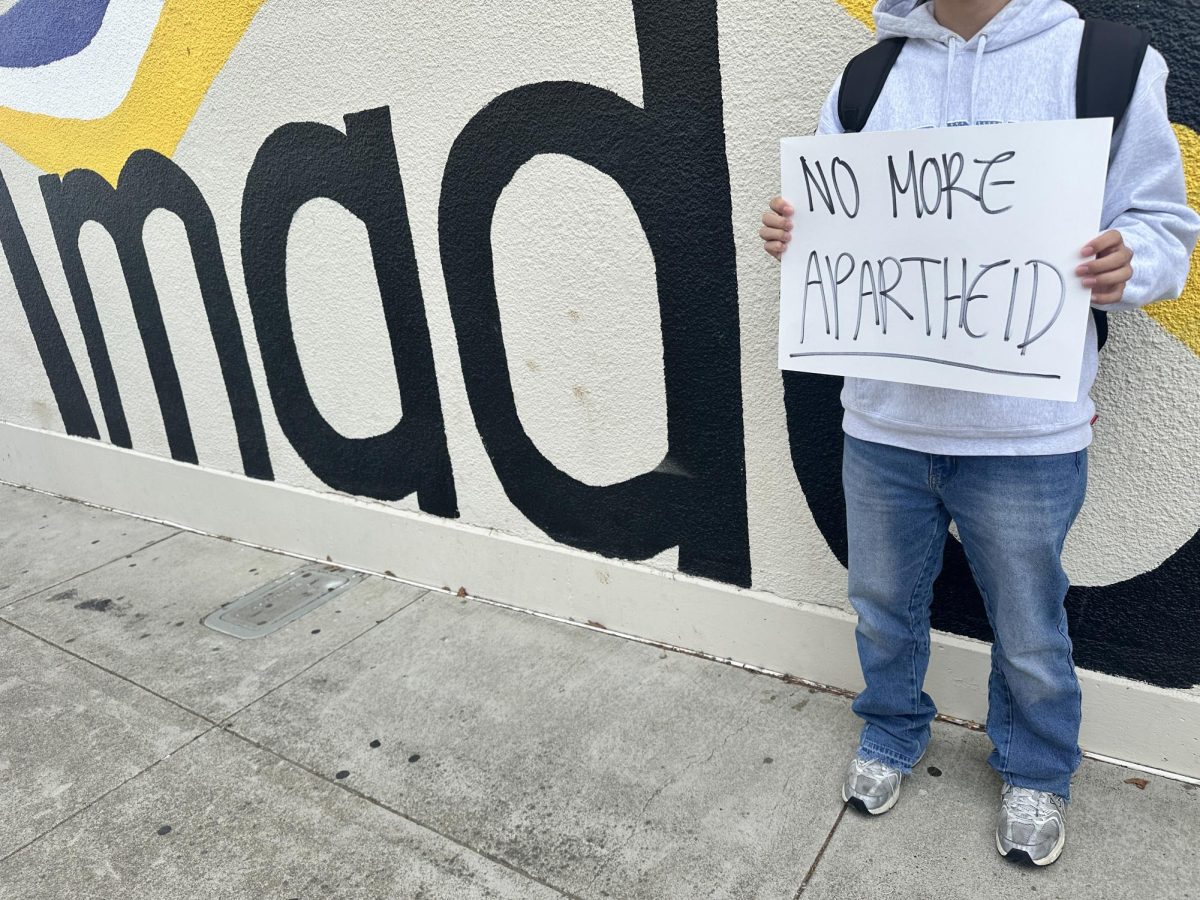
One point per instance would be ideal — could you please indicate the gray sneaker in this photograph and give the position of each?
(871, 786)
(1032, 825)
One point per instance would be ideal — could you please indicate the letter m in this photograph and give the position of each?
(149, 181)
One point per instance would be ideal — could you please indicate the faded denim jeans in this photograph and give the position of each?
(1013, 514)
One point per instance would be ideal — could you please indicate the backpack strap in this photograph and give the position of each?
(863, 81)
(1110, 60)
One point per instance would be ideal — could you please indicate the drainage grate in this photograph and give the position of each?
(270, 607)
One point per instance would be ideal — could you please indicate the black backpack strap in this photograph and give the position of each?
(1101, 318)
(863, 82)
(1110, 60)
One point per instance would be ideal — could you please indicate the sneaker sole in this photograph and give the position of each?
(862, 807)
(1022, 856)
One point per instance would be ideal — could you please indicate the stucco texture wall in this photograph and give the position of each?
(497, 262)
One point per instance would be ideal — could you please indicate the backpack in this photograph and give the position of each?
(1110, 58)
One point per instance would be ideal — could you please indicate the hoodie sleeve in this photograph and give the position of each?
(1146, 196)
(829, 122)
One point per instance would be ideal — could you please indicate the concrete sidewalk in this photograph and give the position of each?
(398, 743)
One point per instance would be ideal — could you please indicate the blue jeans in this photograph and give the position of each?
(1013, 514)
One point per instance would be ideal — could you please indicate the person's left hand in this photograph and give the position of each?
(1111, 269)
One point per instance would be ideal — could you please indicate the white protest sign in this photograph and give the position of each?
(943, 257)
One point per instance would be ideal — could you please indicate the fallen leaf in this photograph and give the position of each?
(1139, 783)
(595, 624)
(462, 592)
(389, 573)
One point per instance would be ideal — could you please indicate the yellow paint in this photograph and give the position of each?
(861, 10)
(190, 44)
(1182, 317)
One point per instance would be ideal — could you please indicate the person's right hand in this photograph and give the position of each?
(777, 227)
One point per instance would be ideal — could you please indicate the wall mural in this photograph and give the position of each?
(107, 154)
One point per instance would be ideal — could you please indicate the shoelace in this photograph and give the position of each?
(1029, 805)
(875, 768)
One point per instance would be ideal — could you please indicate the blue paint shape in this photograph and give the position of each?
(37, 32)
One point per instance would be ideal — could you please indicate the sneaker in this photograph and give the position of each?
(871, 786)
(1032, 826)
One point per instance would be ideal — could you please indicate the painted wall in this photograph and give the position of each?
(496, 263)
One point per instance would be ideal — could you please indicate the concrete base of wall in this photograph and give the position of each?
(1123, 720)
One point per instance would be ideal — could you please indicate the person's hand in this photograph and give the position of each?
(777, 227)
(1111, 269)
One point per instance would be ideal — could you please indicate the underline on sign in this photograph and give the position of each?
(929, 359)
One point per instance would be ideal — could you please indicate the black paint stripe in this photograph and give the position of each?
(89, 318)
(60, 368)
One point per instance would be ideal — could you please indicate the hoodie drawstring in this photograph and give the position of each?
(953, 44)
(979, 50)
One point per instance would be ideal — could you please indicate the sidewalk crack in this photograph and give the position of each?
(107, 671)
(820, 853)
(228, 719)
(50, 587)
(399, 813)
(110, 791)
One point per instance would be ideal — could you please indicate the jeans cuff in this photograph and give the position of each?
(868, 750)
(1054, 786)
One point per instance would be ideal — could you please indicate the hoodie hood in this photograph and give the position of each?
(1016, 22)
(1019, 20)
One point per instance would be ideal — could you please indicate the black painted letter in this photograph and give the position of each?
(150, 181)
(667, 157)
(300, 162)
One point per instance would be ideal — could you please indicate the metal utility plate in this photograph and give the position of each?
(287, 598)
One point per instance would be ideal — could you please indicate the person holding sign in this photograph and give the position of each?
(974, 419)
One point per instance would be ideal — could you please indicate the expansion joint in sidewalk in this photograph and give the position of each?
(229, 729)
(820, 853)
(85, 807)
(107, 562)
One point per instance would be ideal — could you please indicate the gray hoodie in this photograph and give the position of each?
(1021, 67)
